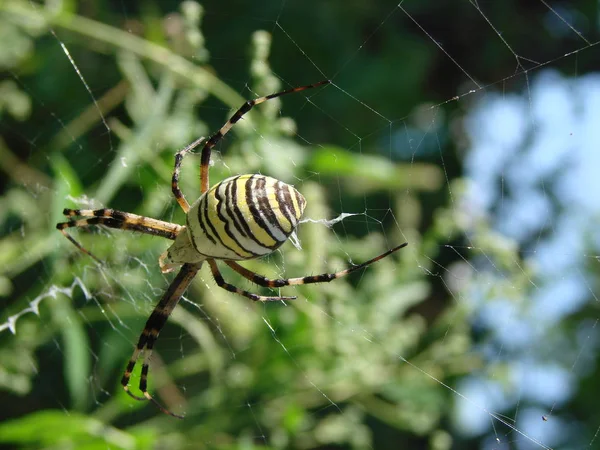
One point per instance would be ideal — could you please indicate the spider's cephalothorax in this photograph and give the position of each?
(240, 218)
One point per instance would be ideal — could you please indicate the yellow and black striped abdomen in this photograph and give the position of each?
(244, 217)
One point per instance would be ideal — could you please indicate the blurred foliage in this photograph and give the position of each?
(355, 363)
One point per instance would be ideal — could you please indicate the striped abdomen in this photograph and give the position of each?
(244, 217)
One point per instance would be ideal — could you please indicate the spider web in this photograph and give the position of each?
(468, 130)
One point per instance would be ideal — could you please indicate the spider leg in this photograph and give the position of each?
(175, 180)
(231, 288)
(154, 325)
(77, 244)
(116, 219)
(214, 139)
(323, 278)
(125, 221)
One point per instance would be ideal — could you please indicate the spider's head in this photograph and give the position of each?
(182, 251)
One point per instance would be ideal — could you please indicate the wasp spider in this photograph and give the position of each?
(240, 218)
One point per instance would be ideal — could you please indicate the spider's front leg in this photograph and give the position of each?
(177, 169)
(113, 218)
(154, 325)
(246, 107)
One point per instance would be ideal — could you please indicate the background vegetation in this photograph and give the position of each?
(363, 362)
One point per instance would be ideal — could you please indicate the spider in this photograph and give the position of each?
(240, 218)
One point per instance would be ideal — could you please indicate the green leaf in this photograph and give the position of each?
(68, 430)
(370, 172)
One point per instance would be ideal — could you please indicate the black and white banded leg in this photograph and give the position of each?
(120, 220)
(154, 325)
(322, 278)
